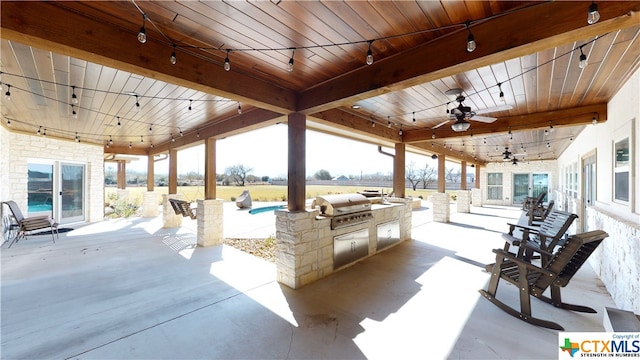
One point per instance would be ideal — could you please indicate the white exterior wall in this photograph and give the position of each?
(507, 169)
(617, 260)
(17, 149)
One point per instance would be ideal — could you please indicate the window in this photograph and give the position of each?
(621, 170)
(494, 186)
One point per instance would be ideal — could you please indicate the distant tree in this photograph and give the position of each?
(238, 173)
(427, 174)
(322, 175)
(453, 175)
(412, 174)
(265, 179)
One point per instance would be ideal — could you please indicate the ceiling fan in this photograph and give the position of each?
(461, 114)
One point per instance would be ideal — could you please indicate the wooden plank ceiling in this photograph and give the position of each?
(528, 50)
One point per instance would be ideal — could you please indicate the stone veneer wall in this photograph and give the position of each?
(18, 149)
(305, 243)
(617, 259)
(507, 169)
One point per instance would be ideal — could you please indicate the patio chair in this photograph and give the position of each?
(26, 225)
(531, 202)
(181, 207)
(532, 280)
(539, 213)
(545, 237)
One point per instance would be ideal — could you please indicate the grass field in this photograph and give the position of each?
(258, 192)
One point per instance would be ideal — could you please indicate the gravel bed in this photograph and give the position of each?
(263, 248)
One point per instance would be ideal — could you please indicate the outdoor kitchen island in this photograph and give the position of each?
(336, 232)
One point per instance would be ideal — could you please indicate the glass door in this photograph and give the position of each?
(529, 185)
(521, 188)
(588, 187)
(72, 187)
(40, 189)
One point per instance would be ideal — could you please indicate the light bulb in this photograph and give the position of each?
(239, 109)
(39, 130)
(290, 65)
(593, 15)
(7, 94)
(369, 58)
(142, 35)
(471, 43)
(173, 58)
(74, 98)
(227, 63)
(583, 61)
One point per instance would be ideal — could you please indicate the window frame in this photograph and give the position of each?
(491, 188)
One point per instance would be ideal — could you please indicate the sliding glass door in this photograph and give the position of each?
(71, 193)
(530, 184)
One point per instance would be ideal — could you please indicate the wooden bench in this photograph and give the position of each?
(544, 237)
(532, 280)
(181, 207)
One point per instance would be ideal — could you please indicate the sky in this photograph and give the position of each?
(265, 151)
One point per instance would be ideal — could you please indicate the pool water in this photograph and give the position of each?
(39, 208)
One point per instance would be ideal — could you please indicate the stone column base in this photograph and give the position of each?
(209, 217)
(476, 197)
(149, 204)
(441, 207)
(169, 217)
(301, 257)
(463, 200)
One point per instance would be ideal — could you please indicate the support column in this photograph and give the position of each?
(150, 198)
(210, 168)
(150, 173)
(210, 220)
(463, 175)
(441, 172)
(477, 177)
(476, 192)
(441, 206)
(169, 217)
(122, 174)
(173, 171)
(463, 201)
(296, 188)
(399, 171)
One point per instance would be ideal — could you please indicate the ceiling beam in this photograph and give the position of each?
(548, 25)
(47, 26)
(241, 123)
(349, 123)
(566, 117)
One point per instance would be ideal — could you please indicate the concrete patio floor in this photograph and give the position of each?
(128, 288)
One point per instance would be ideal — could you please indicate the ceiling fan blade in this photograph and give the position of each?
(441, 124)
(484, 119)
(495, 109)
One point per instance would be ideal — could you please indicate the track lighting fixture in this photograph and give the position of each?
(290, 65)
(142, 34)
(583, 59)
(239, 109)
(593, 15)
(471, 42)
(227, 63)
(173, 57)
(74, 98)
(7, 94)
(369, 58)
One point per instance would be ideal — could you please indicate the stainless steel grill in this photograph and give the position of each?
(344, 209)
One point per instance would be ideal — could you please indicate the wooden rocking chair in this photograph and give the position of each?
(533, 280)
(181, 207)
